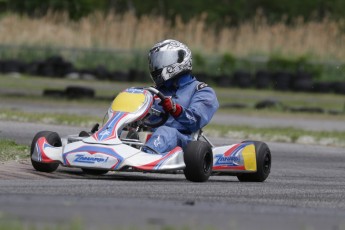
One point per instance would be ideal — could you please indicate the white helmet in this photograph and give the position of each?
(169, 59)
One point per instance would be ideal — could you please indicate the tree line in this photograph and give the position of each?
(219, 12)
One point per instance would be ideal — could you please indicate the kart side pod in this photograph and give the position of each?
(248, 160)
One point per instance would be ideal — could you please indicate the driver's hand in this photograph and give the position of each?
(171, 107)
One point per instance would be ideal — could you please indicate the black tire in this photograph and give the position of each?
(77, 92)
(54, 140)
(95, 172)
(242, 79)
(282, 81)
(263, 79)
(263, 164)
(198, 158)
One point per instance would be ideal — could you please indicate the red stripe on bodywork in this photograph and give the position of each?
(41, 142)
(225, 167)
(150, 166)
(228, 152)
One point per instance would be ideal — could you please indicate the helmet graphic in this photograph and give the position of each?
(169, 59)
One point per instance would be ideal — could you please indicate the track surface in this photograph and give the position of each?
(304, 191)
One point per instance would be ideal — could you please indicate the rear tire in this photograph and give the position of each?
(54, 140)
(263, 164)
(198, 158)
(95, 172)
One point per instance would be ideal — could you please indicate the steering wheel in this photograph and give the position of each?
(162, 114)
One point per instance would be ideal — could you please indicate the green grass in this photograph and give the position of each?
(28, 88)
(48, 118)
(31, 88)
(288, 135)
(30, 85)
(9, 150)
(11, 224)
(250, 97)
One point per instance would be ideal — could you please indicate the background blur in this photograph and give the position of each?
(285, 45)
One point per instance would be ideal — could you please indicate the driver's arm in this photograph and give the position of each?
(202, 107)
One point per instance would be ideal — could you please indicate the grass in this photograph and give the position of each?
(29, 88)
(9, 150)
(277, 134)
(35, 85)
(48, 118)
(8, 223)
(322, 40)
(250, 97)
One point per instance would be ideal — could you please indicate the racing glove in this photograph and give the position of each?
(171, 107)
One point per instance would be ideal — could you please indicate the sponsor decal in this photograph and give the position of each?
(227, 160)
(201, 86)
(80, 158)
(108, 130)
(190, 117)
(134, 90)
(104, 133)
(157, 142)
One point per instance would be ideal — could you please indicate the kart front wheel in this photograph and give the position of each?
(198, 158)
(263, 164)
(95, 172)
(54, 140)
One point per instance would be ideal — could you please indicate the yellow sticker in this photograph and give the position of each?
(249, 157)
(128, 102)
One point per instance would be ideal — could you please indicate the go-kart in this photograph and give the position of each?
(119, 145)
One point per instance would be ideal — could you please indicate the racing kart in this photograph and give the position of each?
(119, 145)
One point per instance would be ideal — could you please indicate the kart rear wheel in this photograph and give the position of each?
(95, 172)
(54, 140)
(198, 158)
(263, 164)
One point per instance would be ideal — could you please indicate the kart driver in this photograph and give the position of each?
(190, 103)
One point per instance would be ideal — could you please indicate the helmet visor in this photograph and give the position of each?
(162, 59)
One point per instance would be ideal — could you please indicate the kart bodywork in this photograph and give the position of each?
(113, 148)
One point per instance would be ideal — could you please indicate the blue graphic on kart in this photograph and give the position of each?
(90, 160)
(228, 161)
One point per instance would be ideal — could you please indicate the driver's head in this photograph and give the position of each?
(169, 59)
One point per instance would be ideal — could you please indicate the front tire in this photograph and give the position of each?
(54, 140)
(263, 164)
(198, 158)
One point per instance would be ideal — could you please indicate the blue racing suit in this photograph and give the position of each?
(199, 103)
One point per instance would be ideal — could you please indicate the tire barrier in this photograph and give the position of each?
(223, 80)
(322, 87)
(242, 79)
(263, 79)
(71, 92)
(76, 92)
(302, 82)
(12, 66)
(269, 103)
(54, 93)
(281, 81)
(274, 104)
(307, 110)
(234, 106)
(56, 66)
(338, 87)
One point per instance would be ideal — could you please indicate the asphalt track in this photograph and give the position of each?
(306, 190)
